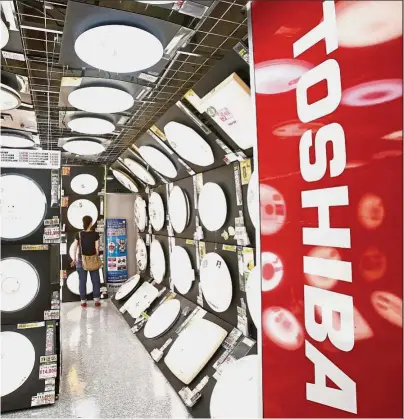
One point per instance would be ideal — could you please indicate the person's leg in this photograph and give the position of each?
(82, 284)
(95, 279)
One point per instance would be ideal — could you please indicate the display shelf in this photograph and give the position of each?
(83, 180)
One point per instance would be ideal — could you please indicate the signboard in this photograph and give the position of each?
(328, 95)
(116, 249)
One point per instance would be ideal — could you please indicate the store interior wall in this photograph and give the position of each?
(121, 206)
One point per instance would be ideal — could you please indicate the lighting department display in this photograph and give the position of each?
(84, 147)
(158, 161)
(91, 125)
(110, 47)
(182, 274)
(101, 99)
(162, 319)
(140, 301)
(125, 180)
(189, 144)
(178, 209)
(17, 139)
(212, 216)
(193, 348)
(127, 287)
(157, 261)
(140, 213)
(139, 171)
(156, 211)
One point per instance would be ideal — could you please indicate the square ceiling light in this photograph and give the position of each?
(82, 19)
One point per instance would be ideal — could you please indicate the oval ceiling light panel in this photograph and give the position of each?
(4, 34)
(17, 361)
(182, 273)
(159, 161)
(189, 144)
(91, 125)
(119, 48)
(253, 204)
(212, 216)
(20, 219)
(127, 287)
(125, 180)
(141, 254)
(101, 99)
(253, 291)
(19, 284)
(279, 76)
(84, 147)
(178, 209)
(16, 140)
(78, 209)
(156, 211)
(216, 282)
(73, 281)
(162, 319)
(236, 393)
(140, 213)
(9, 98)
(139, 171)
(157, 261)
(366, 23)
(84, 184)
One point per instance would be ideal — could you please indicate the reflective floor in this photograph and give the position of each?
(106, 371)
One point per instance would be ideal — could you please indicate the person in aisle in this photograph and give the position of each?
(87, 242)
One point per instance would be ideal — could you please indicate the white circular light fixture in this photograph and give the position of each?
(139, 171)
(253, 292)
(140, 213)
(141, 254)
(367, 23)
(253, 205)
(125, 180)
(162, 319)
(17, 361)
(19, 284)
(91, 125)
(156, 211)
(119, 48)
(73, 282)
(159, 161)
(178, 209)
(78, 209)
(84, 184)
(212, 216)
(182, 273)
(101, 99)
(16, 140)
(127, 287)
(4, 34)
(9, 98)
(84, 147)
(157, 261)
(22, 206)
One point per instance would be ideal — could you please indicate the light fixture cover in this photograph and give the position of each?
(125, 180)
(84, 147)
(4, 35)
(101, 99)
(16, 140)
(9, 98)
(119, 48)
(91, 125)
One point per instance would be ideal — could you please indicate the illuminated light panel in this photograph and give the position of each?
(373, 264)
(139, 171)
(157, 261)
(15, 140)
(373, 93)
(84, 147)
(84, 184)
(162, 319)
(73, 282)
(282, 327)
(127, 287)
(273, 210)
(119, 48)
(20, 219)
(158, 160)
(91, 125)
(78, 209)
(17, 361)
(101, 99)
(4, 34)
(212, 216)
(141, 254)
(125, 180)
(9, 98)
(156, 211)
(371, 211)
(140, 213)
(272, 271)
(279, 76)
(19, 284)
(367, 23)
(388, 306)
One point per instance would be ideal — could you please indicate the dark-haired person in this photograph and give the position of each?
(88, 244)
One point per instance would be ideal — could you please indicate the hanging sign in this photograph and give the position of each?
(328, 94)
(117, 252)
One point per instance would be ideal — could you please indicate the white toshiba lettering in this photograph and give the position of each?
(329, 268)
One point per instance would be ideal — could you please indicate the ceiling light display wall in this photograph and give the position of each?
(84, 147)
(16, 140)
(91, 125)
(101, 99)
(119, 48)
(9, 98)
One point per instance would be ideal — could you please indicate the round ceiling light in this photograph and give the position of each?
(9, 98)
(125, 180)
(16, 140)
(84, 147)
(118, 48)
(101, 99)
(91, 125)
(4, 35)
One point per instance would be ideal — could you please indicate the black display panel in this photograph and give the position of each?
(27, 203)
(83, 180)
(29, 283)
(36, 344)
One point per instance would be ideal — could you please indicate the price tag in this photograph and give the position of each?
(48, 371)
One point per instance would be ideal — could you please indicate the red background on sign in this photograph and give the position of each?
(374, 167)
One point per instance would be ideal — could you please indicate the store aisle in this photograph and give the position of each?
(106, 371)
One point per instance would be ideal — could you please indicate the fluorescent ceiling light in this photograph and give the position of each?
(91, 125)
(4, 35)
(9, 98)
(101, 99)
(84, 147)
(16, 140)
(118, 48)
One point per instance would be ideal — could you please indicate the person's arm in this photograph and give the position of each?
(97, 247)
(75, 246)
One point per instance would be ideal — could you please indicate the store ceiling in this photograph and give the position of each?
(42, 24)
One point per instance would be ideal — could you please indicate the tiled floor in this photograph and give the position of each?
(106, 372)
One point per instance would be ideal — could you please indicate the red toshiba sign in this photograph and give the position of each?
(328, 92)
